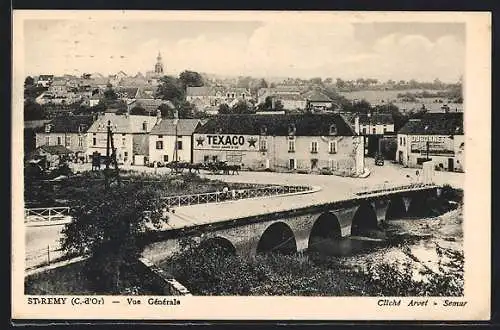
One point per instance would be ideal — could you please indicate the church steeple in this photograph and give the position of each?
(158, 65)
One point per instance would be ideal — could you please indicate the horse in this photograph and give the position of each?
(234, 168)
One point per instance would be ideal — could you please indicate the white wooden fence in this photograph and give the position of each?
(46, 214)
(235, 194)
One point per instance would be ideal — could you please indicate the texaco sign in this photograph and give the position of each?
(226, 142)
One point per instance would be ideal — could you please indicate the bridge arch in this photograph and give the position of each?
(278, 237)
(218, 245)
(419, 206)
(364, 220)
(325, 232)
(396, 208)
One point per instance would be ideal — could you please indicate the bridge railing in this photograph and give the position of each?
(384, 188)
(46, 214)
(235, 194)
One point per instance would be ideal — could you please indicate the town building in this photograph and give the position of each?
(58, 88)
(52, 156)
(306, 142)
(67, 131)
(30, 129)
(150, 105)
(45, 80)
(436, 137)
(130, 137)
(317, 101)
(153, 77)
(204, 98)
(172, 140)
(376, 128)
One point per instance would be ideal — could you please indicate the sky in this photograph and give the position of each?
(384, 50)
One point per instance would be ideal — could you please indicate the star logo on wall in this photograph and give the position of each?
(200, 141)
(251, 142)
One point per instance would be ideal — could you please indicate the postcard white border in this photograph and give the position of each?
(477, 231)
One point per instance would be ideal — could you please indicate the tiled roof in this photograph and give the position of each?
(305, 124)
(56, 150)
(167, 127)
(127, 92)
(376, 118)
(70, 124)
(45, 77)
(123, 123)
(59, 82)
(290, 97)
(145, 93)
(436, 123)
(151, 104)
(32, 124)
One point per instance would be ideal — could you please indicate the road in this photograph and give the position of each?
(331, 188)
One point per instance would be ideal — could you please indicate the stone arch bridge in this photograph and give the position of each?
(301, 229)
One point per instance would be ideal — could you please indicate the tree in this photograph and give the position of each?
(107, 227)
(33, 110)
(340, 83)
(244, 82)
(166, 111)
(171, 89)
(86, 76)
(29, 81)
(186, 110)
(224, 109)
(267, 105)
(242, 107)
(278, 105)
(110, 94)
(316, 81)
(190, 79)
(138, 110)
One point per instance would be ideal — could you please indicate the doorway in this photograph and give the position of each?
(400, 158)
(451, 165)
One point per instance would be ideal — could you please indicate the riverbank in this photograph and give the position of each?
(421, 257)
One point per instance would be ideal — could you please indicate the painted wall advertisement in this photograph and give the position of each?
(226, 142)
(435, 145)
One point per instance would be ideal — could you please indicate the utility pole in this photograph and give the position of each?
(176, 121)
(110, 174)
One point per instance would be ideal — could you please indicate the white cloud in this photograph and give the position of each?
(326, 49)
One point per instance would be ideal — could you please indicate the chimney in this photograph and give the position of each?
(158, 116)
(356, 124)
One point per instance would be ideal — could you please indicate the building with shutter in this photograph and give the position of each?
(436, 137)
(306, 142)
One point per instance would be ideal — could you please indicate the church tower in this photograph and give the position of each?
(159, 65)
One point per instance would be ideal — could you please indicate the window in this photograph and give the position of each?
(94, 141)
(332, 147)
(160, 136)
(364, 130)
(165, 158)
(124, 142)
(404, 141)
(206, 158)
(291, 163)
(291, 146)
(263, 145)
(159, 145)
(68, 140)
(144, 126)
(333, 164)
(125, 154)
(59, 141)
(385, 130)
(314, 147)
(47, 140)
(333, 129)
(80, 141)
(214, 158)
(179, 145)
(374, 130)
